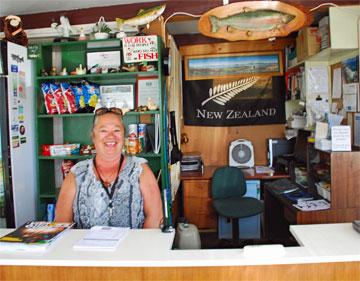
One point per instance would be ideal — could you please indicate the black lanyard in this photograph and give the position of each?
(110, 193)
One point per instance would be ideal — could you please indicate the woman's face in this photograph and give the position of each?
(108, 135)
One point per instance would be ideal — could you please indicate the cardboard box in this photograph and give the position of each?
(307, 43)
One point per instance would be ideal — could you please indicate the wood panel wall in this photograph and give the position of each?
(213, 142)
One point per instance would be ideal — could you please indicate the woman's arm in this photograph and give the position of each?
(152, 198)
(64, 205)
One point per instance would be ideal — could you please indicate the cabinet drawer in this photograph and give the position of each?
(197, 188)
(198, 206)
(200, 212)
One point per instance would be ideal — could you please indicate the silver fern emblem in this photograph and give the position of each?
(222, 93)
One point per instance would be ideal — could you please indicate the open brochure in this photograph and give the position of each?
(313, 205)
(33, 236)
(102, 238)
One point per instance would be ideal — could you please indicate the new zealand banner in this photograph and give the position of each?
(233, 102)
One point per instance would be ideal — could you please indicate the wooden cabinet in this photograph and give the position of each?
(341, 170)
(197, 203)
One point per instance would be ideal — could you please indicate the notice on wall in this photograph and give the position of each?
(318, 81)
(336, 87)
(140, 49)
(357, 129)
(341, 138)
(350, 96)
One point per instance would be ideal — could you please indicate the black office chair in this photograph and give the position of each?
(228, 187)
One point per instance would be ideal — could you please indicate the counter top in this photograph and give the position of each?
(249, 173)
(152, 248)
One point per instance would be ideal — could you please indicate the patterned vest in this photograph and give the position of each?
(91, 202)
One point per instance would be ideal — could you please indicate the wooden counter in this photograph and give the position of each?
(327, 252)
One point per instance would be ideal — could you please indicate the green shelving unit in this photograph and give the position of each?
(75, 128)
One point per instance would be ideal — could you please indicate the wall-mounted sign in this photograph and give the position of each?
(140, 48)
(34, 52)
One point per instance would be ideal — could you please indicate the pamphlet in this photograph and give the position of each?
(312, 205)
(263, 170)
(105, 238)
(33, 236)
(297, 196)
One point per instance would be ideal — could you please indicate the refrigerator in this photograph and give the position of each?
(17, 137)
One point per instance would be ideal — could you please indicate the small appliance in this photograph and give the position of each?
(241, 154)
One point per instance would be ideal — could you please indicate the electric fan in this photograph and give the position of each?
(241, 154)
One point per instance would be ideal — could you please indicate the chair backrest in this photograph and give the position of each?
(228, 182)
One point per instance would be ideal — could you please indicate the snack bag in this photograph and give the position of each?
(50, 103)
(79, 97)
(59, 98)
(91, 94)
(69, 97)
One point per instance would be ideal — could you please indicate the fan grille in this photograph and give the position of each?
(241, 153)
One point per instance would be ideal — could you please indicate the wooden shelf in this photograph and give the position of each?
(116, 75)
(68, 157)
(130, 113)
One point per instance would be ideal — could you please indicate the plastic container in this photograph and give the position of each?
(187, 237)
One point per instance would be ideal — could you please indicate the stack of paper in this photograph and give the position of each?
(102, 238)
(312, 205)
(263, 170)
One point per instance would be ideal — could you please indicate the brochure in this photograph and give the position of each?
(298, 195)
(313, 205)
(105, 238)
(33, 236)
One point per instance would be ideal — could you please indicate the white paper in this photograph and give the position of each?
(312, 205)
(104, 60)
(140, 48)
(102, 238)
(334, 107)
(321, 130)
(350, 96)
(318, 81)
(341, 138)
(357, 129)
(263, 170)
(148, 89)
(336, 89)
(121, 96)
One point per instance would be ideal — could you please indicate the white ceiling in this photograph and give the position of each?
(24, 7)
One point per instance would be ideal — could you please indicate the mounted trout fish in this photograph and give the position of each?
(252, 20)
(144, 17)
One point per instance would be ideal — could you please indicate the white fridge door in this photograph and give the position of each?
(21, 132)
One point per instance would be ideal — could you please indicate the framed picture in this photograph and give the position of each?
(103, 62)
(148, 91)
(121, 96)
(233, 65)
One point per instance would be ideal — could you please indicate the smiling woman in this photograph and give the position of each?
(111, 189)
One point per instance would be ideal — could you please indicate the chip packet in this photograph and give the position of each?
(50, 103)
(61, 105)
(69, 97)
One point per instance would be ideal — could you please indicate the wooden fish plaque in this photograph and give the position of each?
(253, 20)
